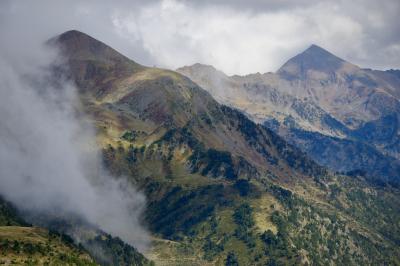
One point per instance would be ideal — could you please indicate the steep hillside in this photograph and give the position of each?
(221, 189)
(21, 244)
(314, 96)
(36, 246)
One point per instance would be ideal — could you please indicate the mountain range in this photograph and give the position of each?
(343, 116)
(227, 178)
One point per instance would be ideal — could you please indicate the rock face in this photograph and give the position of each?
(317, 95)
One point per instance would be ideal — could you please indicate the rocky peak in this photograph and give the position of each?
(313, 58)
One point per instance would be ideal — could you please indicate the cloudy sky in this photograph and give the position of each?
(238, 37)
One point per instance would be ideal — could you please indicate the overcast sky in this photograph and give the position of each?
(238, 37)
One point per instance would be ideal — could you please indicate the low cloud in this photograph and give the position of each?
(49, 163)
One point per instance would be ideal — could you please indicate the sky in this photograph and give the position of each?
(237, 37)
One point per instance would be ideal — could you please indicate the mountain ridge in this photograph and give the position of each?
(317, 92)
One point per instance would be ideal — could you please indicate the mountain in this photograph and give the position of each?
(222, 189)
(164, 106)
(317, 95)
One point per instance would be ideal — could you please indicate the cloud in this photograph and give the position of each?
(49, 163)
(236, 36)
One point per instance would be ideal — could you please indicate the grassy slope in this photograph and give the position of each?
(35, 246)
(22, 245)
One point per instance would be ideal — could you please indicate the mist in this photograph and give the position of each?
(50, 165)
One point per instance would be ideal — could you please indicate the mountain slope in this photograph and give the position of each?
(221, 188)
(158, 101)
(35, 246)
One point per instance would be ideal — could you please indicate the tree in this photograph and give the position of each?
(231, 259)
(269, 238)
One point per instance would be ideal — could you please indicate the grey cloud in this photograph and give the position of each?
(365, 32)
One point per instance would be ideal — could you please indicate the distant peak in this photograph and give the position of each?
(201, 68)
(315, 50)
(315, 47)
(313, 58)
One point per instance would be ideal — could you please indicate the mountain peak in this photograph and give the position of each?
(74, 41)
(90, 60)
(317, 51)
(313, 58)
(198, 67)
(73, 34)
(316, 48)
(201, 70)
(77, 45)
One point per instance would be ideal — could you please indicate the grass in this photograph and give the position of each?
(263, 209)
(35, 246)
